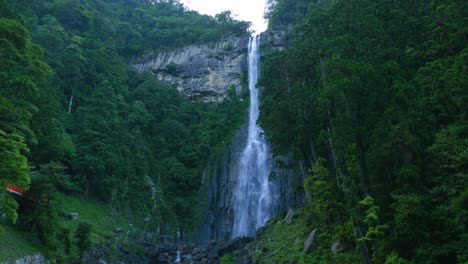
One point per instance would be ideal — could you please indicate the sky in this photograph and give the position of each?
(248, 10)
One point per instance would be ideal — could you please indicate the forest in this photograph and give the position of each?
(369, 97)
(372, 96)
(77, 120)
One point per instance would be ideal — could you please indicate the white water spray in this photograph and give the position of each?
(253, 196)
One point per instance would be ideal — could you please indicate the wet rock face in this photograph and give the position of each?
(218, 190)
(205, 72)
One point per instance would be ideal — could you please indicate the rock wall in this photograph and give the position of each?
(203, 72)
(218, 190)
(276, 39)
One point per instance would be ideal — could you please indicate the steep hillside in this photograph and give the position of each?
(371, 97)
(126, 113)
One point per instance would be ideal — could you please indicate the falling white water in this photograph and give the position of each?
(253, 196)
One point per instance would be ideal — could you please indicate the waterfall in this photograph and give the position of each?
(253, 198)
(238, 194)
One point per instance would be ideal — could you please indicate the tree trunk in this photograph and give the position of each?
(86, 191)
(70, 104)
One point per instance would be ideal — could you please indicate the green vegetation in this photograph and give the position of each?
(22, 72)
(228, 259)
(100, 215)
(371, 96)
(284, 243)
(15, 244)
(77, 121)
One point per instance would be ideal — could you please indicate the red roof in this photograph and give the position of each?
(15, 189)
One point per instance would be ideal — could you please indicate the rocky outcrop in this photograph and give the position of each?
(311, 241)
(129, 247)
(31, 259)
(289, 216)
(338, 246)
(277, 38)
(203, 72)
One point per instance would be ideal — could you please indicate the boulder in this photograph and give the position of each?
(289, 216)
(196, 251)
(31, 259)
(311, 241)
(167, 247)
(166, 239)
(233, 245)
(199, 256)
(296, 241)
(338, 246)
(163, 259)
(213, 254)
(186, 249)
(187, 257)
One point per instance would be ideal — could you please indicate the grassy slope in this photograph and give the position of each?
(284, 243)
(15, 244)
(95, 213)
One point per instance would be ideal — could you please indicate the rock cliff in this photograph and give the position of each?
(218, 190)
(203, 72)
(276, 39)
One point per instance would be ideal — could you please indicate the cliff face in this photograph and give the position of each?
(276, 39)
(218, 191)
(222, 175)
(207, 72)
(219, 187)
(203, 72)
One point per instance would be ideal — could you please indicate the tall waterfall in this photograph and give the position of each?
(254, 194)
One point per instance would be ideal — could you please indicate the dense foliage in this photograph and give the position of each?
(372, 96)
(76, 119)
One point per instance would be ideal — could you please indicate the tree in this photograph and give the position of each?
(22, 70)
(82, 239)
(14, 170)
(99, 160)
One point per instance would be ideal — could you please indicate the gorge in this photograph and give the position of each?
(139, 131)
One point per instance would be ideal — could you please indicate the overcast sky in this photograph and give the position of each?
(248, 10)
